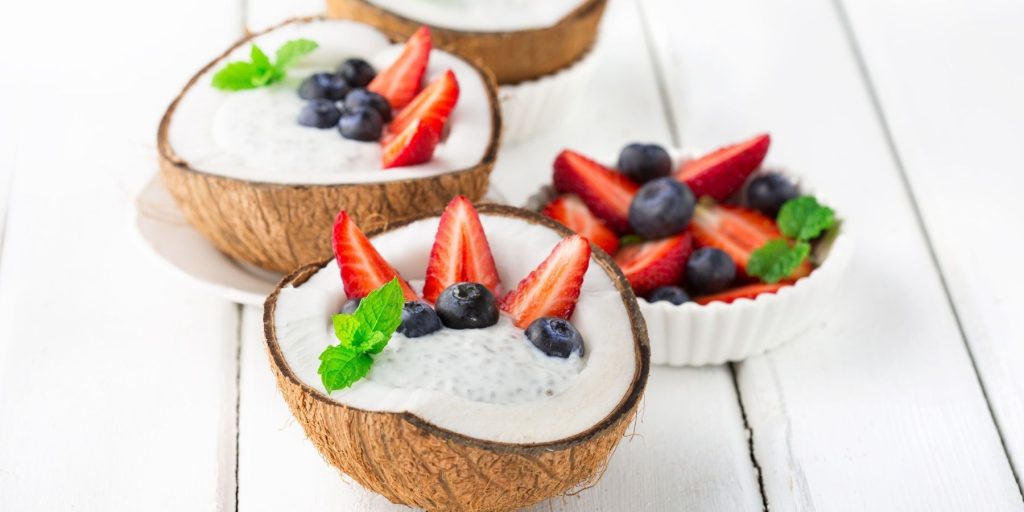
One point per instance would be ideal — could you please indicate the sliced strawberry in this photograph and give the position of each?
(573, 214)
(749, 291)
(400, 82)
(363, 269)
(649, 265)
(553, 287)
(605, 192)
(460, 251)
(738, 231)
(432, 105)
(413, 145)
(722, 172)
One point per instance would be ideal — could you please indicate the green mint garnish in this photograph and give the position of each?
(631, 239)
(804, 219)
(259, 71)
(361, 334)
(801, 219)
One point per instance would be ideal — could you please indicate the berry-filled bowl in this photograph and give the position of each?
(729, 256)
(267, 142)
(482, 359)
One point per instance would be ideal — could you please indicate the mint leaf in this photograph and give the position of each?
(381, 309)
(290, 52)
(341, 366)
(346, 328)
(236, 76)
(265, 72)
(776, 260)
(631, 239)
(804, 219)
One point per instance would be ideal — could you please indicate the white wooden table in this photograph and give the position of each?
(122, 388)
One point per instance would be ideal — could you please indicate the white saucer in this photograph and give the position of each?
(178, 246)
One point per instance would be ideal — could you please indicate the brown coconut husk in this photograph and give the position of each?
(413, 462)
(281, 226)
(513, 57)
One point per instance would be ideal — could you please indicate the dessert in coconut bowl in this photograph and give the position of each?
(728, 259)
(481, 360)
(539, 50)
(267, 142)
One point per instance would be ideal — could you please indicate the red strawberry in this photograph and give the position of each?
(606, 193)
(363, 269)
(553, 287)
(573, 214)
(649, 265)
(432, 105)
(749, 291)
(736, 230)
(414, 145)
(460, 252)
(722, 172)
(400, 82)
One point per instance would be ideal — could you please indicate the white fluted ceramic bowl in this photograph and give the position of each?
(692, 334)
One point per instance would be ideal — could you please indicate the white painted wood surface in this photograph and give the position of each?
(879, 408)
(118, 382)
(956, 114)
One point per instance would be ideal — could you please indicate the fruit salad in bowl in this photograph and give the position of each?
(483, 359)
(729, 258)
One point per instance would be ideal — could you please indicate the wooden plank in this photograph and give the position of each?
(117, 384)
(878, 408)
(260, 14)
(691, 449)
(954, 107)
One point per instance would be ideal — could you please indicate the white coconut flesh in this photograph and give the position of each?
(482, 15)
(254, 134)
(473, 392)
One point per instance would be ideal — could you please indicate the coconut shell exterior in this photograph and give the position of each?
(513, 56)
(279, 226)
(413, 462)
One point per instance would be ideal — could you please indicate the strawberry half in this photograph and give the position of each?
(460, 252)
(749, 291)
(738, 231)
(649, 265)
(413, 145)
(605, 192)
(573, 214)
(553, 287)
(400, 82)
(363, 269)
(722, 172)
(432, 105)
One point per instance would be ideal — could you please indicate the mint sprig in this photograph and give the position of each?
(361, 334)
(801, 219)
(259, 71)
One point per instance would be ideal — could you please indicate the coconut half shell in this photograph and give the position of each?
(413, 462)
(513, 56)
(278, 226)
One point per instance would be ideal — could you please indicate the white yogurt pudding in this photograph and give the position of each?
(484, 383)
(482, 15)
(253, 134)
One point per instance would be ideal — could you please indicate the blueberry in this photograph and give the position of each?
(362, 124)
(644, 162)
(319, 114)
(673, 294)
(326, 86)
(350, 306)
(709, 270)
(418, 319)
(767, 193)
(361, 98)
(357, 72)
(555, 336)
(661, 208)
(467, 306)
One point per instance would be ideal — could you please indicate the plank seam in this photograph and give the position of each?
(890, 141)
(659, 75)
(239, 314)
(750, 437)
